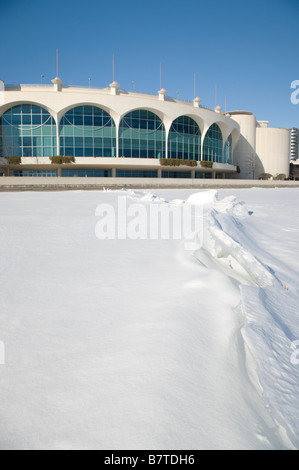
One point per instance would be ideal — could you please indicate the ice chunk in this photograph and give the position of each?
(203, 197)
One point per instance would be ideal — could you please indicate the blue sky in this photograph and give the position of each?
(249, 49)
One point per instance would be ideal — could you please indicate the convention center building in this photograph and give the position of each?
(66, 131)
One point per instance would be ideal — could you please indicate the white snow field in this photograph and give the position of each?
(142, 344)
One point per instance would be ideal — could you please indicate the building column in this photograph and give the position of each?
(166, 143)
(193, 174)
(57, 137)
(59, 172)
(113, 173)
(167, 126)
(160, 173)
(116, 140)
(214, 175)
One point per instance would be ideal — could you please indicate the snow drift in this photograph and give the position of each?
(271, 309)
(133, 344)
(271, 322)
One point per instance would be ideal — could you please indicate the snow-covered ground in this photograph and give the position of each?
(131, 344)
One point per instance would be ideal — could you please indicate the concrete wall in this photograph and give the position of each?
(245, 154)
(260, 149)
(273, 151)
(22, 184)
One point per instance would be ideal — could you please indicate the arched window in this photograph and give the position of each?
(28, 130)
(141, 135)
(184, 139)
(213, 144)
(87, 131)
(228, 150)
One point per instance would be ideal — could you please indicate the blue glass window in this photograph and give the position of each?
(141, 135)
(87, 131)
(22, 129)
(136, 174)
(87, 173)
(203, 175)
(213, 145)
(36, 173)
(175, 174)
(184, 140)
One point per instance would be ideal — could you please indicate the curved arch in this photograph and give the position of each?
(155, 111)
(87, 131)
(200, 121)
(28, 130)
(141, 135)
(213, 144)
(12, 104)
(224, 129)
(184, 139)
(63, 111)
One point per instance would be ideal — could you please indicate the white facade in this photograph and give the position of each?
(260, 150)
(57, 100)
(244, 154)
(272, 149)
(255, 148)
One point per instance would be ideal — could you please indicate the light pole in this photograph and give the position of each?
(133, 83)
(89, 81)
(42, 79)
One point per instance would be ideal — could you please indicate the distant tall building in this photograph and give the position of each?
(294, 143)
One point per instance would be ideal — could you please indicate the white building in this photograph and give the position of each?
(113, 132)
(261, 149)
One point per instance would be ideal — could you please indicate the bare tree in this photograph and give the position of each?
(252, 166)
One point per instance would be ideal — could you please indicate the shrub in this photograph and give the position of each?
(56, 160)
(68, 159)
(14, 160)
(169, 162)
(191, 163)
(265, 176)
(177, 162)
(280, 177)
(205, 164)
